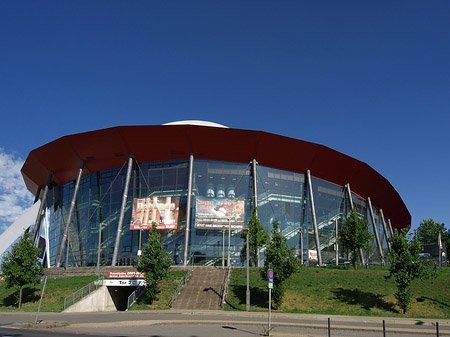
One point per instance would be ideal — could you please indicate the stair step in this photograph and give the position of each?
(203, 290)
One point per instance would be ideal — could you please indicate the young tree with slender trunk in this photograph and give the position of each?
(406, 265)
(282, 260)
(354, 236)
(154, 263)
(258, 238)
(21, 265)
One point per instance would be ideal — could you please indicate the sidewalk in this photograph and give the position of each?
(222, 323)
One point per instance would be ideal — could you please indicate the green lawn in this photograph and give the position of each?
(57, 289)
(339, 291)
(167, 287)
(55, 292)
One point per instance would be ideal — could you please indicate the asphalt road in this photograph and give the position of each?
(173, 323)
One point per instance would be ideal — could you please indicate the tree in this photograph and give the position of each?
(406, 265)
(354, 236)
(21, 265)
(282, 260)
(428, 232)
(154, 262)
(258, 238)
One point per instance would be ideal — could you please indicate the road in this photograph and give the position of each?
(173, 323)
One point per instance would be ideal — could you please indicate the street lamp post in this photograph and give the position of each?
(223, 246)
(229, 241)
(301, 245)
(247, 295)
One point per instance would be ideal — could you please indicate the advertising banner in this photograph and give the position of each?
(216, 213)
(125, 274)
(312, 255)
(161, 210)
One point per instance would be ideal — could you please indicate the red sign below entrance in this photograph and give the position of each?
(125, 274)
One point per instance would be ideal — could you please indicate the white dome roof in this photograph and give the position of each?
(197, 122)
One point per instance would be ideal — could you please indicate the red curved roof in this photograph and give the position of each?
(109, 148)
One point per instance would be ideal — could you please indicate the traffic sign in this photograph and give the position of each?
(270, 274)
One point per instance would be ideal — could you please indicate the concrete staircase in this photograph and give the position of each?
(203, 291)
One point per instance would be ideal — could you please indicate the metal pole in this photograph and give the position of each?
(384, 328)
(37, 223)
(349, 194)
(385, 230)
(329, 327)
(390, 227)
(99, 246)
(67, 254)
(337, 245)
(247, 298)
(270, 311)
(313, 211)
(255, 200)
(188, 210)
(122, 210)
(301, 245)
(255, 188)
(223, 247)
(374, 225)
(40, 301)
(440, 250)
(69, 218)
(229, 241)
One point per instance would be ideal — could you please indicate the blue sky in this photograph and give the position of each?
(369, 79)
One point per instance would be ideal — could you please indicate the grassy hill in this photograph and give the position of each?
(329, 290)
(340, 291)
(57, 289)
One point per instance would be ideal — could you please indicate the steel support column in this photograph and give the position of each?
(385, 231)
(69, 218)
(313, 211)
(374, 225)
(390, 227)
(255, 187)
(122, 210)
(37, 223)
(349, 194)
(188, 210)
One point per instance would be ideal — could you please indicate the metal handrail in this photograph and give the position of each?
(134, 296)
(182, 282)
(225, 287)
(83, 292)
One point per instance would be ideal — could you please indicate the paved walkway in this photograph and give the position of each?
(221, 323)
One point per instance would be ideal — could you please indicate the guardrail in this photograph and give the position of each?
(83, 292)
(225, 287)
(134, 296)
(182, 282)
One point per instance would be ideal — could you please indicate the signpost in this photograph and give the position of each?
(270, 275)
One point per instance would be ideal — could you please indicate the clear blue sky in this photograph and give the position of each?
(368, 78)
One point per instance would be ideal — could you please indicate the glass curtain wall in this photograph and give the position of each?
(97, 210)
(219, 186)
(222, 186)
(280, 198)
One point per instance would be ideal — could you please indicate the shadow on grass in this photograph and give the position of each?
(258, 296)
(29, 294)
(423, 298)
(364, 299)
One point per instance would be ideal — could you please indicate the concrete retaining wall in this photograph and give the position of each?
(98, 300)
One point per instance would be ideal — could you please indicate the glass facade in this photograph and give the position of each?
(221, 204)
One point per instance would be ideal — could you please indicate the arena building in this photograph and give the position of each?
(199, 182)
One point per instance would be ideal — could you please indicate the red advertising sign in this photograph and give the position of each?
(125, 274)
(161, 210)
